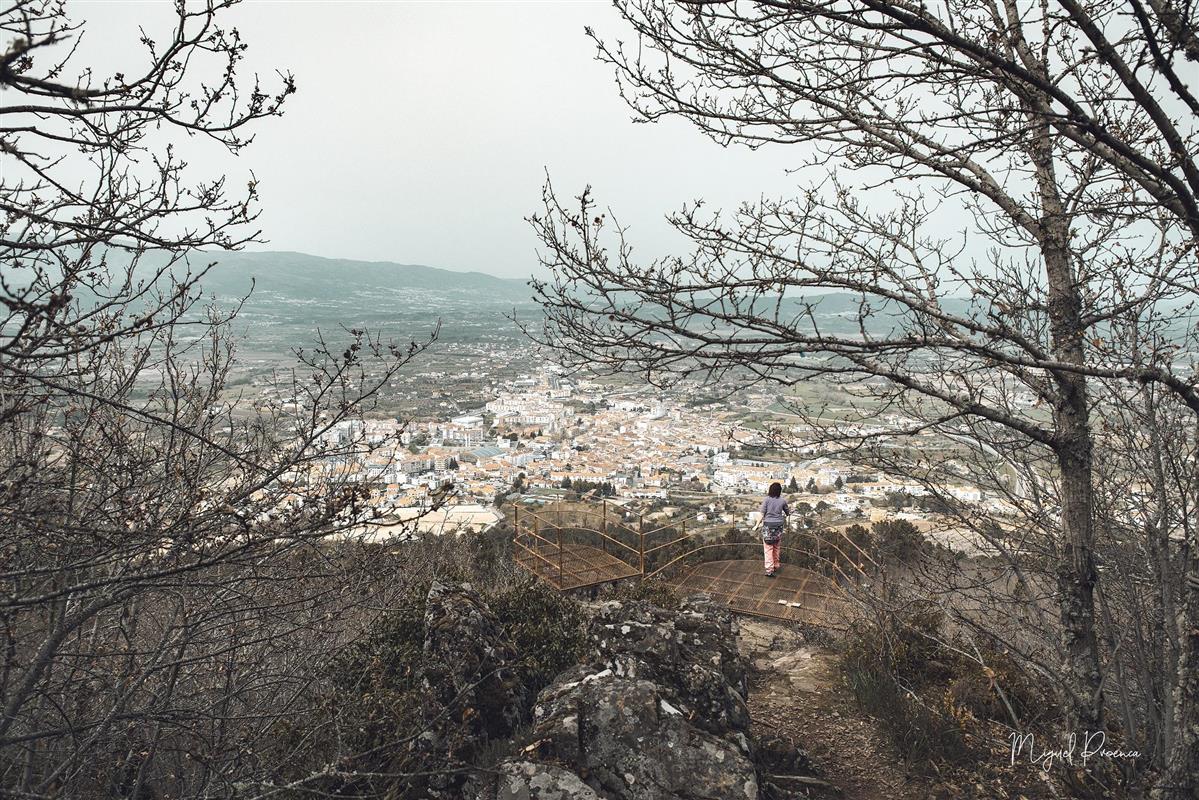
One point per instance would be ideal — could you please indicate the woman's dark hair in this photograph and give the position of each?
(775, 490)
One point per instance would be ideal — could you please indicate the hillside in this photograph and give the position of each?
(333, 281)
(290, 296)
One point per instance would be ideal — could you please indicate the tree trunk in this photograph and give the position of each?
(1076, 587)
(1180, 781)
(1076, 574)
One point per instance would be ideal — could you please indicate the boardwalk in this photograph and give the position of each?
(576, 566)
(794, 594)
(577, 545)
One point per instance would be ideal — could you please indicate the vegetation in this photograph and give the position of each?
(659, 593)
(186, 610)
(546, 626)
(898, 541)
(167, 596)
(894, 670)
(582, 487)
(1040, 329)
(944, 702)
(375, 692)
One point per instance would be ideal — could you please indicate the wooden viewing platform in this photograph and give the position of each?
(581, 565)
(794, 594)
(574, 546)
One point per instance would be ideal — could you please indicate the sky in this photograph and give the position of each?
(422, 132)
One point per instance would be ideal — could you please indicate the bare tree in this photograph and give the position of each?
(167, 605)
(1149, 487)
(1005, 200)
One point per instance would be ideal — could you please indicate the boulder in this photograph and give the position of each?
(656, 712)
(691, 653)
(778, 756)
(468, 663)
(528, 780)
(629, 739)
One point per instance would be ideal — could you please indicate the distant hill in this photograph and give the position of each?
(294, 294)
(290, 296)
(298, 276)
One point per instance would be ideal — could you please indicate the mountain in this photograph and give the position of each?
(290, 296)
(302, 277)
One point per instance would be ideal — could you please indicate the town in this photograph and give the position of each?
(545, 437)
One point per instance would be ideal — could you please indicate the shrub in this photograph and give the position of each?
(388, 654)
(897, 673)
(899, 541)
(655, 592)
(547, 628)
(375, 698)
(377, 702)
(978, 689)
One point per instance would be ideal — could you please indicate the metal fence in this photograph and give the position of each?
(572, 545)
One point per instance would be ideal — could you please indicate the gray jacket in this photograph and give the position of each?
(774, 512)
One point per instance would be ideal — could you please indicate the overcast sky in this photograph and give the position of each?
(422, 131)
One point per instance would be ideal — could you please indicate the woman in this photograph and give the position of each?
(774, 514)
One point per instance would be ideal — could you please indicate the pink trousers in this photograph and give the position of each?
(770, 554)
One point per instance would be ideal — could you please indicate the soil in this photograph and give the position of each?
(795, 693)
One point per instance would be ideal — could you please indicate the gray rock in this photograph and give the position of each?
(631, 742)
(777, 756)
(528, 780)
(657, 711)
(467, 663)
(691, 653)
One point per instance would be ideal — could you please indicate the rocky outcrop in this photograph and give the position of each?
(633, 738)
(469, 663)
(474, 695)
(691, 653)
(532, 780)
(657, 712)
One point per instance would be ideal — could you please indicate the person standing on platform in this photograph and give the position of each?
(774, 516)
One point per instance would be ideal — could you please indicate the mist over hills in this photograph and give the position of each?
(290, 296)
(298, 276)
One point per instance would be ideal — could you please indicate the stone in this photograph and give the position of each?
(528, 780)
(777, 756)
(468, 663)
(631, 742)
(691, 653)
(656, 711)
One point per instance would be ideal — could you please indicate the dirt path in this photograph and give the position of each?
(795, 694)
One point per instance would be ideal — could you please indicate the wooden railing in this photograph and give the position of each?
(540, 536)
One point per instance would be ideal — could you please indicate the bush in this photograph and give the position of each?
(897, 673)
(388, 655)
(377, 702)
(978, 689)
(547, 628)
(899, 541)
(927, 695)
(375, 697)
(655, 592)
